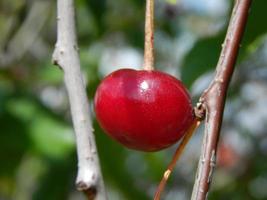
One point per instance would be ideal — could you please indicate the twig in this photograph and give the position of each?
(89, 178)
(149, 36)
(26, 34)
(175, 158)
(213, 99)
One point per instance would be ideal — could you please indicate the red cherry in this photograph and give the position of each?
(143, 110)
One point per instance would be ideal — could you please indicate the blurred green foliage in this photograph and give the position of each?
(37, 144)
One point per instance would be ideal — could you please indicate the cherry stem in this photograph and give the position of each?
(149, 36)
(175, 158)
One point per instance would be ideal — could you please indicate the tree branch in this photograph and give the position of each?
(26, 34)
(89, 178)
(213, 99)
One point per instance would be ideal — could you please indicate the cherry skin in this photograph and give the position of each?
(143, 110)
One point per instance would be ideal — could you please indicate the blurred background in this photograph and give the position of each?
(37, 144)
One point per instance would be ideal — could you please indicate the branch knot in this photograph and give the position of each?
(200, 111)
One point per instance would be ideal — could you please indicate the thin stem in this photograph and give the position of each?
(175, 158)
(89, 178)
(213, 98)
(149, 36)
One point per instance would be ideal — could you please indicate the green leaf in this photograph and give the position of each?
(52, 138)
(113, 158)
(49, 136)
(58, 180)
(201, 58)
(205, 53)
(13, 142)
(50, 74)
